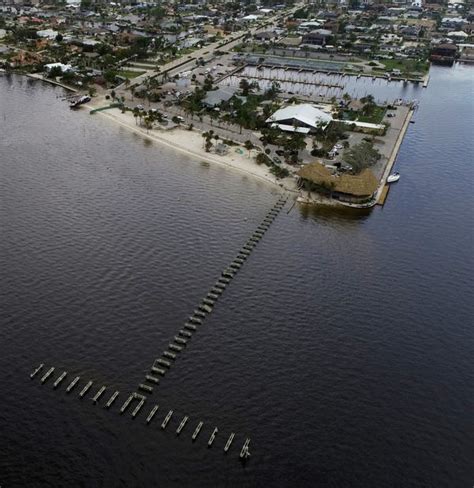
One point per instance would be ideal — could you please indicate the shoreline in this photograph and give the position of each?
(39, 77)
(190, 144)
(310, 200)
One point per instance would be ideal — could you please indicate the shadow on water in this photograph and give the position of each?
(328, 212)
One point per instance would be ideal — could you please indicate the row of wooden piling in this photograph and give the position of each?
(137, 401)
(162, 364)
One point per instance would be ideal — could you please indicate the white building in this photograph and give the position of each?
(299, 118)
(64, 67)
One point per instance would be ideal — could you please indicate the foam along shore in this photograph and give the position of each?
(191, 143)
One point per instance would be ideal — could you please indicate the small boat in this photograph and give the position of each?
(79, 101)
(394, 177)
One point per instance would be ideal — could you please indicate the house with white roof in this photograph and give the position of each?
(301, 118)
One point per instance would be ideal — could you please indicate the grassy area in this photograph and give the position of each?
(374, 118)
(406, 65)
(130, 74)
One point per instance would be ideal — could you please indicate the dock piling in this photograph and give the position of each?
(47, 375)
(58, 381)
(37, 370)
(72, 384)
(152, 413)
(213, 436)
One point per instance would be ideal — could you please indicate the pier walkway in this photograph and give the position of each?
(162, 365)
(135, 406)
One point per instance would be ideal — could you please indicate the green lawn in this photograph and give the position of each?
(405, 65)
(129, 74)
(374, 118)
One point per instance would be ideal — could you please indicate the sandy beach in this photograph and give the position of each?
(191, 144)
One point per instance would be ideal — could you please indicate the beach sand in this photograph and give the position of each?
(191, 143)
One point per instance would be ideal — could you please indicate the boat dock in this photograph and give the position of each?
(181, 340)
(167, 419)
(152, 413)
(213, 436)
(72, 384)
(140, 405)
(85, 389)
(37, 370)
(111, 399)
(47, 375)
(229, 442)
(245, 453)
(181, 425)
(198, 429)
(98, 394)
(58, 381)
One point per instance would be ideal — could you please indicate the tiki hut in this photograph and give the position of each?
(349, 188)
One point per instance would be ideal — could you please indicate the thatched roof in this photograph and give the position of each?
(363, 184)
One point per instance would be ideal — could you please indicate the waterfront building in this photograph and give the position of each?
(301, 118)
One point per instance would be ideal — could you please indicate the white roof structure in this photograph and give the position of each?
(64, 67)
(300, 118)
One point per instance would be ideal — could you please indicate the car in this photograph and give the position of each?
(338, 146)
(390, 115)
(280, 152)
(277, 160)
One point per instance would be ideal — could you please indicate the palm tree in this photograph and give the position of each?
(248, 145)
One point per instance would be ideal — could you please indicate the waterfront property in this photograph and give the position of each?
(302, 118)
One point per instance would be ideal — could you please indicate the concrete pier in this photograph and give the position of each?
(163, 362)
(139, 406)
(167, 419)
(126, 403)
(147, 388)
(229, 442)
(98, 394)
(85, 389)
(37, 370)
(152, 379)
(245, 453)
(58, 381)
(73, 384)
(213, 436)
(152, 413)
(158, 370)
(181, 425)
(198, 429)
(206, 307)
(112, 399)
(47, 375)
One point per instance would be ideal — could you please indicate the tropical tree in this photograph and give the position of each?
(248, 145)
(361, 156)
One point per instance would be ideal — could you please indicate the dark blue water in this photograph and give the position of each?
(343, 348)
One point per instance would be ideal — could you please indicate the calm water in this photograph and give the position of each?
(328, 85)
(343, 348)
